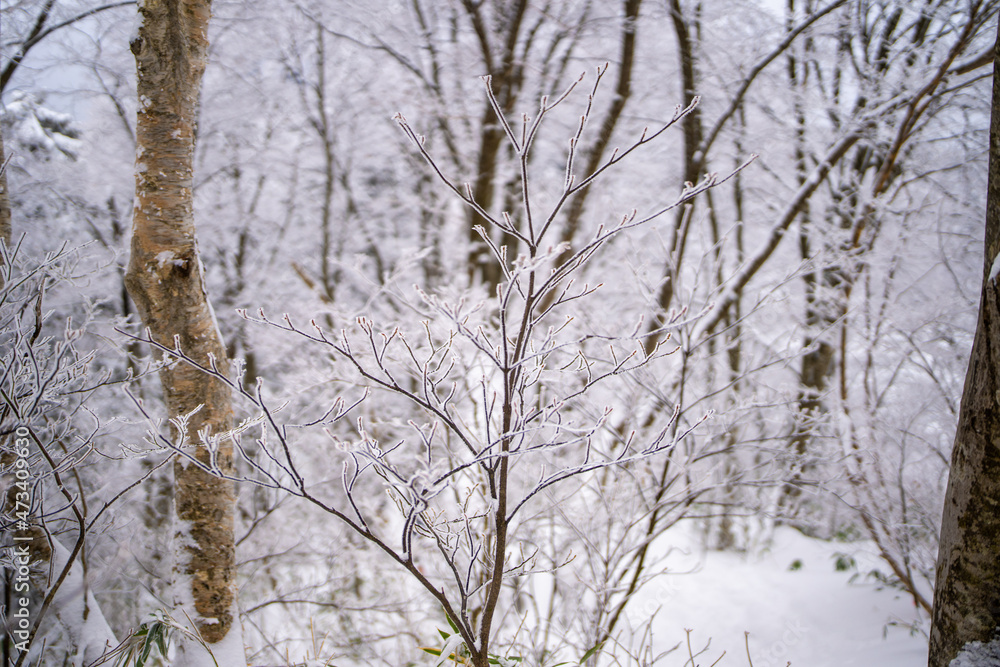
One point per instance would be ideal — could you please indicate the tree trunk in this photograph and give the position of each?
(5, 227)
(967, 593)
(596, 153)
(165, 279)
(695, 161)
(506, 78)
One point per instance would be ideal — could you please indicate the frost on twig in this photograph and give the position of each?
(473, 418)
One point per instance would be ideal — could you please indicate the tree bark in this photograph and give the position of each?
(165, 279)
(695, 160)
(5, 227)
(967, 592)
(596, 153)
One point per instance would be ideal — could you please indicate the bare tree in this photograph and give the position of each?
(967, 594)
(41, 28)
(46, 382)
(487, 399)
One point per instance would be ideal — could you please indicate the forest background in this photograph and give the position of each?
(758, 314)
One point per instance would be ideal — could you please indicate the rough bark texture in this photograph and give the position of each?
(967, 594)
(165, 280)
(5, 226)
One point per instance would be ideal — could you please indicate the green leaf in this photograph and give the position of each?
(451, 623)
(147, 646)
(149, 636)
(590, 652)
(444, 635)
(161, 638)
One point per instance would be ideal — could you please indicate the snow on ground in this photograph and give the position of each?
(811, 616)
(978, 654)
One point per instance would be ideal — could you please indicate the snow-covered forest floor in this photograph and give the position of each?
(792, 600)
(510, 377)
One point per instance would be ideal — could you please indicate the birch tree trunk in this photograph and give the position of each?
(165, 279)
(967, 593)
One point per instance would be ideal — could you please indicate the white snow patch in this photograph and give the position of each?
(812, 615)
(191, 652)
(137, 20)
(995, 269)
(978, 654)
(227, 653)
(168, 257)
(35, 127)
(77, 610)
